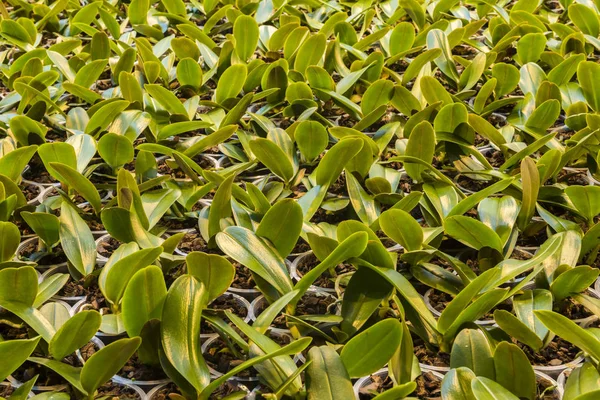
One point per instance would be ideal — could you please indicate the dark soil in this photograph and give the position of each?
(135, 370)
(193, 241)
(243, 277)
(428, 387)
(428, 356)
(313, 304)
(108, 246)
(30, 253)
(6, 390)
(546, 391)
(30, 192)
(222, 359)
(327, 281)
(115, 391)
(558, 352)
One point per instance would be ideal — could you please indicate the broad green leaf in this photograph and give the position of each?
(77, 240)
(11, 237)
(167, 99)
(273, 157)
(214, 271)
(74, 334)
(105, 115)
(333, 385)
(401, 227)
(181, 337)
(588, 74)
(310, 52)
(570, 331)
(472, 349)
(106, 362)
(245, 32)
(14, 353)
(487, 389)
(330, 167)
(513, 370)
(371, 349)
(143, 299)
(257, 254)
(472, 232)
(586, 200)
(282, 225)
(421, 145)
(231, 82)
(531, 185)
(13, 163)
(80, 183)
(456, 384)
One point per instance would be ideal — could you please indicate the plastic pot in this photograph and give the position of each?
(260, 302)
(367, 380)
(9, 384)
(241, 301)
(97, 342)
(152, 394)
(71, 300)
(35, 240)
(297, 275)
(107, 338)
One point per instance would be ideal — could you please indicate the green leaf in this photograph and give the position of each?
(531, 185)
(106, 362)
(49, 287)
(231, 82)
(14, 353)
(213, 270)
(143, 299)
(57, 152)
(570, 331)
(352, 246)
(588, 74)
(330, 167)
(80, 183)
(13, 163)
(257, 254)
(245, 32)
(115, 149)
(310, 52)
(574, 280)
(273, 157)
(220, 207)
(402, 38)
(119, 274)
(421, 145)
(75, 333)
(418, 63)
(333, 385)
(436, 38)
(406, 290)
(362, 297)
(189, 73)
(181, 336)
(456, 384)
(77, 240)
(472, 232)
(11, 237)
(583, 380)
(586, 200)
(487, 389)
(371, 349)
(517, 329)
(311, 138)
(472, 349)
(463, 299)
(530, 47)
(379, 93)
(282, 225)
(585, 18)
(401, 227)
(167, 99)
(513, 370)
(105, 115)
